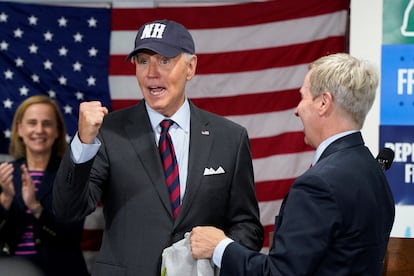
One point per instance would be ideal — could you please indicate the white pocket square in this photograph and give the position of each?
(211, 171)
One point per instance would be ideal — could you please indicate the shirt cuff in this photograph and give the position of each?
(82, 153)
(219, 251)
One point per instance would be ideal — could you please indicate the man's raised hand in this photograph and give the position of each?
(91, 115)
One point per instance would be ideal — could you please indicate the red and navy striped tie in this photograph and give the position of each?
(169, 162)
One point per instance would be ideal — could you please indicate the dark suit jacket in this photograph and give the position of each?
(336, 220)
(128, 177)
(57, 243)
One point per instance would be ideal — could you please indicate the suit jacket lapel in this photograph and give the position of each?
(201, 138)
(141, 135)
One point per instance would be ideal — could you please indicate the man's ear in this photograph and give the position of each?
(191, 68)
(326, 101)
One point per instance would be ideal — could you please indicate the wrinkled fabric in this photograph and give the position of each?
(178, 261)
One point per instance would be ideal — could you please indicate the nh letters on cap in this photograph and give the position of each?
(153, 30)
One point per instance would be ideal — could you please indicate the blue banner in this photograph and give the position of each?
(401, 174)
(397, 85)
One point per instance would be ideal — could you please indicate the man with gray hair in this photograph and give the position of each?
(327, 224)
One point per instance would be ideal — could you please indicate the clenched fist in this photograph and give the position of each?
(91, 116)
(6, 184)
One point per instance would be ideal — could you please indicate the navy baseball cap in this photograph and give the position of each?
(165, 37)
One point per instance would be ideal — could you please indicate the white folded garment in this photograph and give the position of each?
(178, 261)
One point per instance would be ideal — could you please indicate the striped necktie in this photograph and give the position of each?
(169, 162)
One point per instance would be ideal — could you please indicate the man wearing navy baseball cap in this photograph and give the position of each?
(165, 37)
(160, 167)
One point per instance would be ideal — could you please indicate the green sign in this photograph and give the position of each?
(398, 22)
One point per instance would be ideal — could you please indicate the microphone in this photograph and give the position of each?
(385, 158)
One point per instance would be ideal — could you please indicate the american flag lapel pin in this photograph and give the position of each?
(205, 132)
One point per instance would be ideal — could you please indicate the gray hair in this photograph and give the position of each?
(352, 83)
(188, 56)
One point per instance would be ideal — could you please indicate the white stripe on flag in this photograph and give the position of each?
(251, 37)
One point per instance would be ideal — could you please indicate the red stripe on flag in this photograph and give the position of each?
(118, 104)
(242, 104)
(269, 190)
(259, 59)
(290, 142)
(205, 17)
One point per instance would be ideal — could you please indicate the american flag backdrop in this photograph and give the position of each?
(252, 58)
(62, 52)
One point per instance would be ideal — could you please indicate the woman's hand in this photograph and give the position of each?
(29, 193)
(6, 183)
